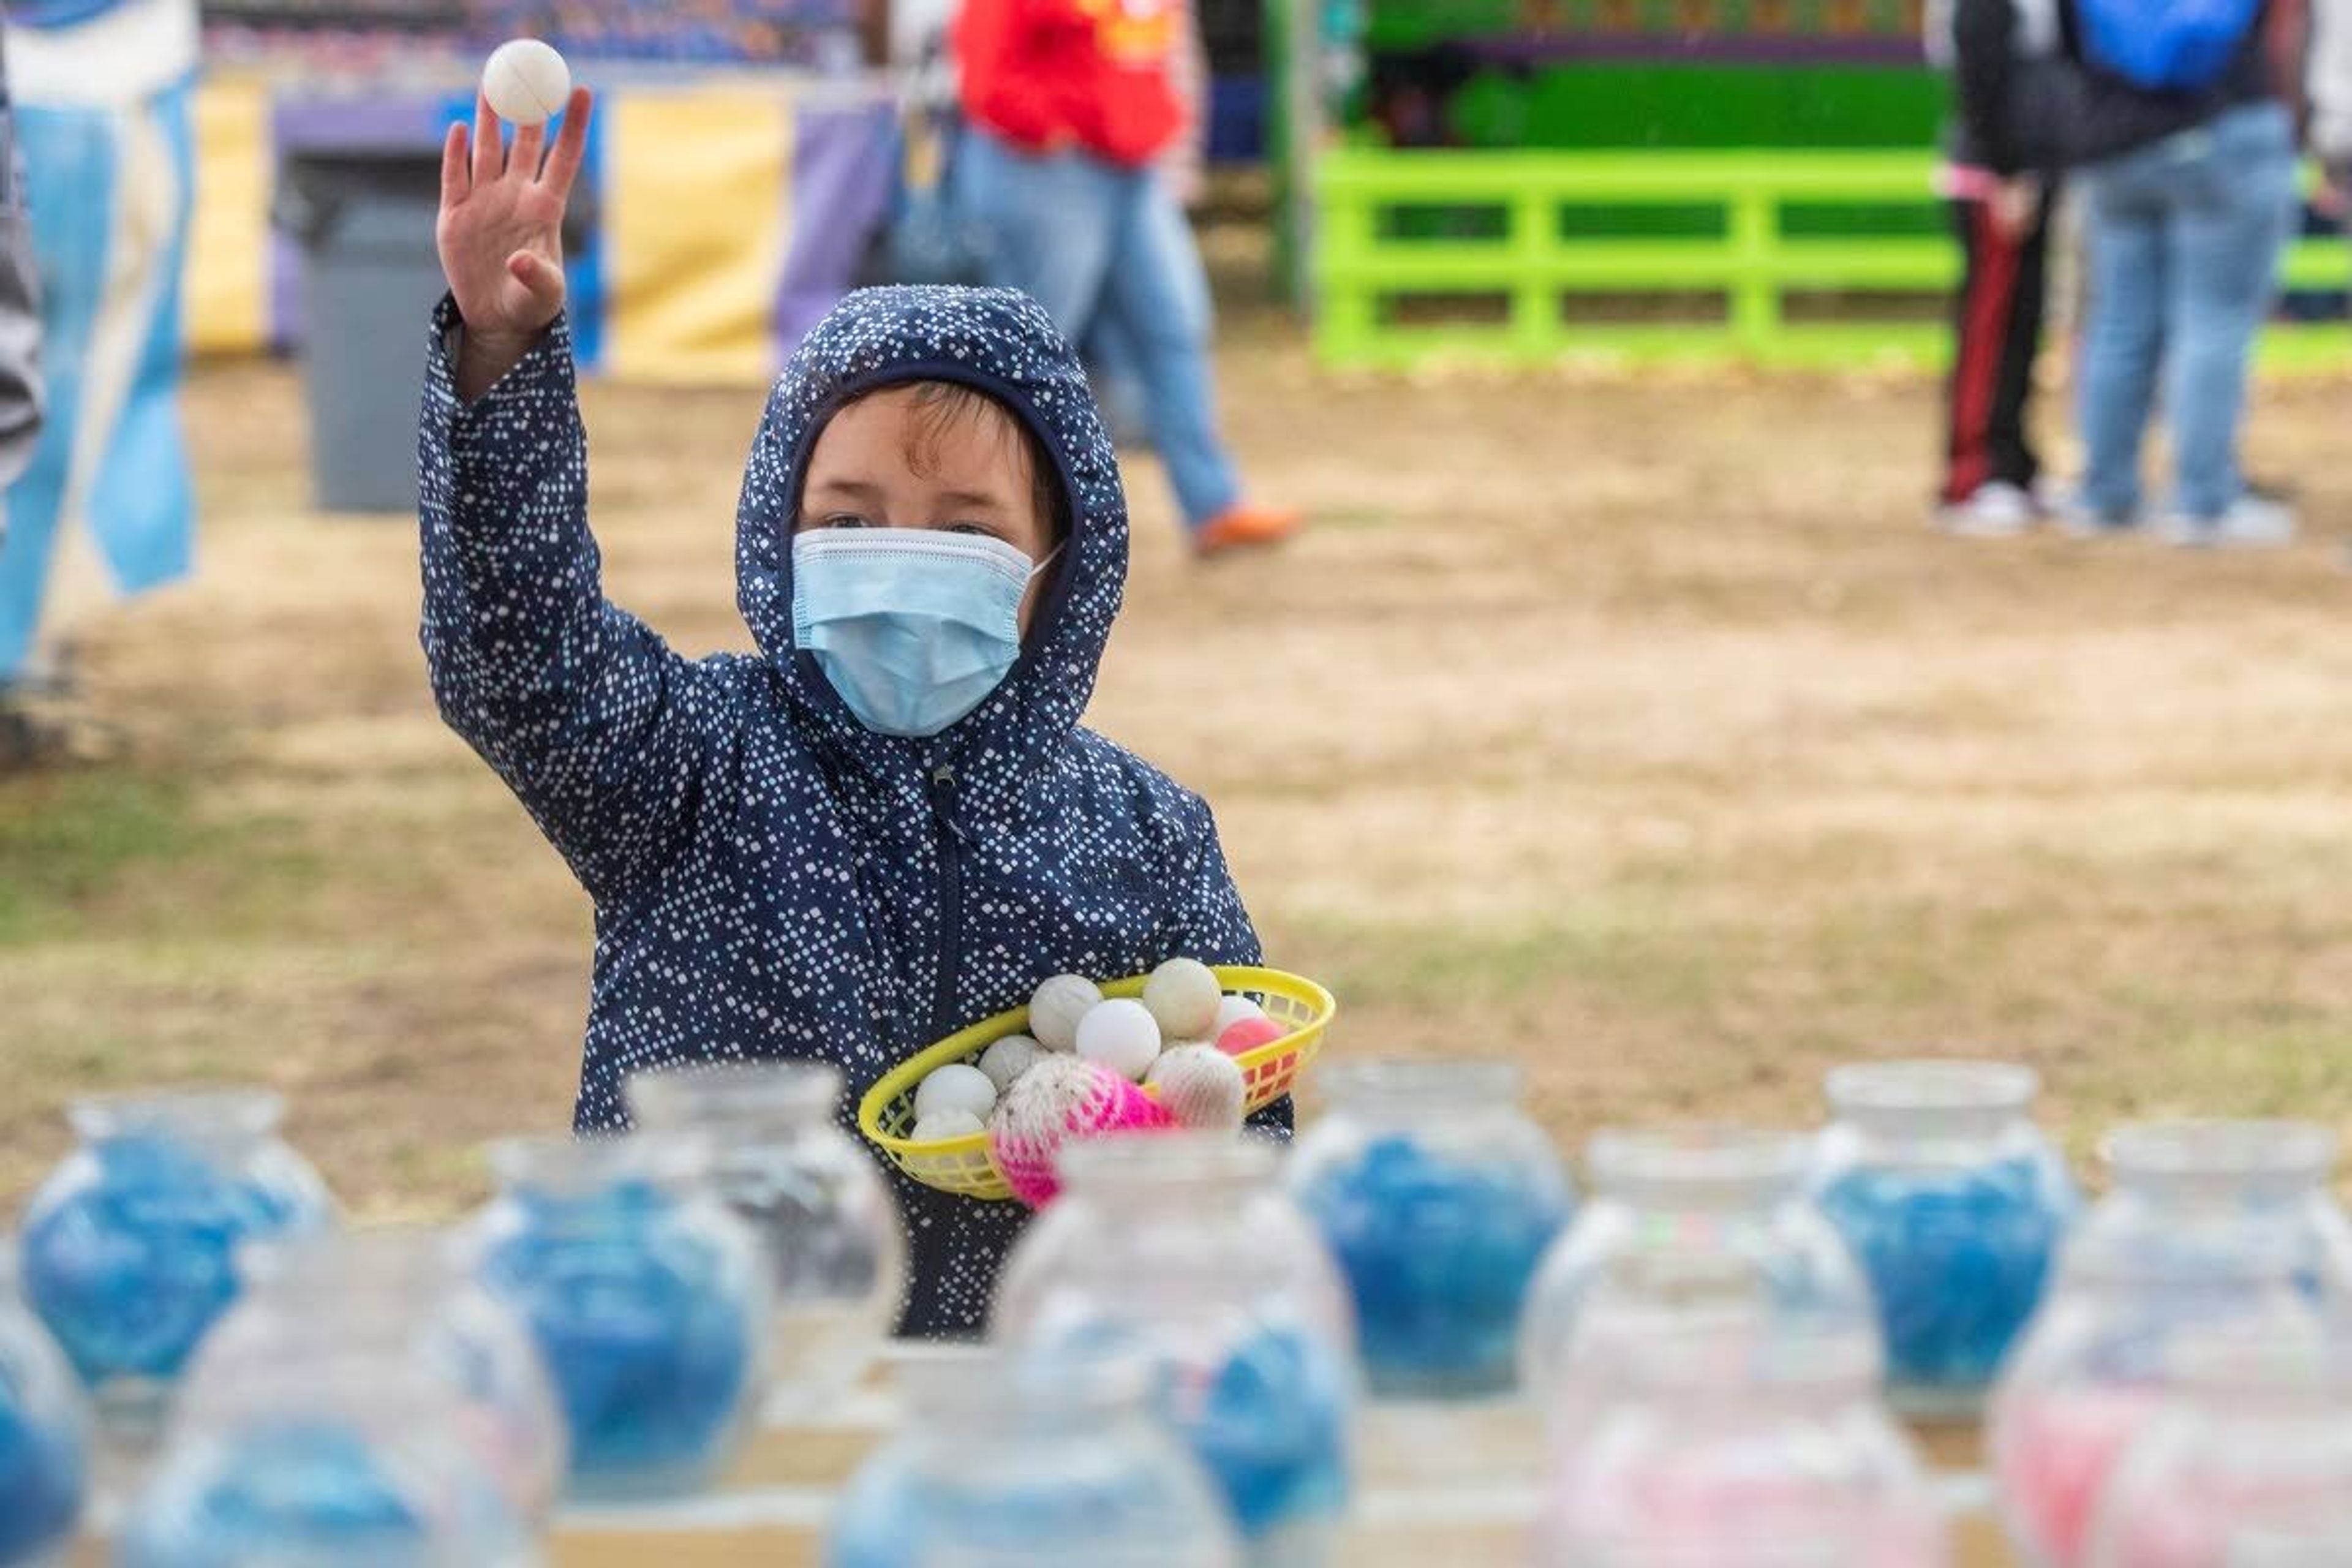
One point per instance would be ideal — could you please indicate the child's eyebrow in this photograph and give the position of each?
(969, 499)
(860, 489)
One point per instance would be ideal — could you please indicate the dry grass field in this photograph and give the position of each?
(1635, 728)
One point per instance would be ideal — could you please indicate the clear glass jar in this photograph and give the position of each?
(818, 1201)
(1181, 1250)
(2261, 1546)
(1744, 1448)
(43, 1438)
(389, 1293)
(130, 1246)
(1954, 1204)
(2252, 1452)
(337, 1457)
(2211, 1229)
(647, 1297)
(997, 1464)
(1438, 1197)
(1687, 1228)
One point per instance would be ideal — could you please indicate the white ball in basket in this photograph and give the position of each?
(527, 82)
(1008, 1058)
(1202, 1087)
(941, 1125)
(955, 1087)
(1183, 994)
(1055, 1009)
(1232, 1010)
(1121, 1036)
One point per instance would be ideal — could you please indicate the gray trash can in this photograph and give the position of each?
(364, 217)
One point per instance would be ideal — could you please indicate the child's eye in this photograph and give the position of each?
(972, 527)
(843, 520)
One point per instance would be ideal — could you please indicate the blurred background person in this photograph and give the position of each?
(1068, 106)
(2000, 211)
(2184, 236)
(2327, 81)
(20, 345)
(102, 92)
(20, 306)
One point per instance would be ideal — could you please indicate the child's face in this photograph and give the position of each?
(884, 462)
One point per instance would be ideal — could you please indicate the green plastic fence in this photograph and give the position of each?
(1783, 258)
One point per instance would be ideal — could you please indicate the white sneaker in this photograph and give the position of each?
(2251, 523)
(1996, 511)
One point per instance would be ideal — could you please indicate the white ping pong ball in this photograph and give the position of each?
(527, 82)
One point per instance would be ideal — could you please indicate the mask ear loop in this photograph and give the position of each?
(1052, 555)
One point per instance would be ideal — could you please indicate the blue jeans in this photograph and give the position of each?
(1094, 242)
(2185, 237)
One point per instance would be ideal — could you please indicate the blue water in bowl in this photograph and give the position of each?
(43, 1478)
(1957, 1261)
(1272, 1427)
(647, 1330)
(312, 1491)
(130, 1272)
(1439, 1255)
(895, 1516)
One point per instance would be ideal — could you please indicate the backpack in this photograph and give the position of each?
(2167, 45)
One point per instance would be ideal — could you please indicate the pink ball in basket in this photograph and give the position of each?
(1058, 1099)
(1248, 1034)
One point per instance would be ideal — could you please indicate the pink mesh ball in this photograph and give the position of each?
(1057, 1099)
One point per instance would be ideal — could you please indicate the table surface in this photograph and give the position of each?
(1437, 1485)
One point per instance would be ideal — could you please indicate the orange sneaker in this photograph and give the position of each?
(1245, 526)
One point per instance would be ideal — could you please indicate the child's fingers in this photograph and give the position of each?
(489, 149)
(529, 143)
(570, 144)
(457, 181)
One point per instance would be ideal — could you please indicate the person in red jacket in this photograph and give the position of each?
(1068, 106)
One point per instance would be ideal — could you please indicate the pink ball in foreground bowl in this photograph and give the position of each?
(1248, 1034)
(1057, 1099)
(2052, 1455)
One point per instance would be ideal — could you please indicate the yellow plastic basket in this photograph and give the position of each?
(962, 1165)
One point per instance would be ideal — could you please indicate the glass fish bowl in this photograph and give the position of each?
(1002, 1465)
(390, 1293)
(647, 1297)
(1180, 1251)
(1693, 1226)
(783, 1160)
(129, 1250)
(342, 1457)
(2210, 1231)
(2250, 1456)
(1954, 1204)
(1743, 1448)
(1438, 1197)
(43, 1438)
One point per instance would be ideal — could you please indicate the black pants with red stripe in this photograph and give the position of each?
(1998, 321)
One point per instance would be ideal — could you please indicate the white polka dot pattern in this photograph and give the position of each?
(771, 880)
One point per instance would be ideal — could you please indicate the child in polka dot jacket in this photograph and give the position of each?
(888, 823)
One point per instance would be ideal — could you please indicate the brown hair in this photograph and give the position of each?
(943, 406)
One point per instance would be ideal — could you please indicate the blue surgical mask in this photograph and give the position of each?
(913, 627)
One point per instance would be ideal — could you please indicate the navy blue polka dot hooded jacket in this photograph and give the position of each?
(772, 880)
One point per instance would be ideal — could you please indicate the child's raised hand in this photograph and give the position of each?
(501, 235)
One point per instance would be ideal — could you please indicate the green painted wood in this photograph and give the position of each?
(1388, 274)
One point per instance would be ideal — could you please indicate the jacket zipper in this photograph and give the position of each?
(952, 843)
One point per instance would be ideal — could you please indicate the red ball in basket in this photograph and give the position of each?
(1077, 1098)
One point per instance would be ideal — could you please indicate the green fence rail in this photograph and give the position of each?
(1782, 258)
